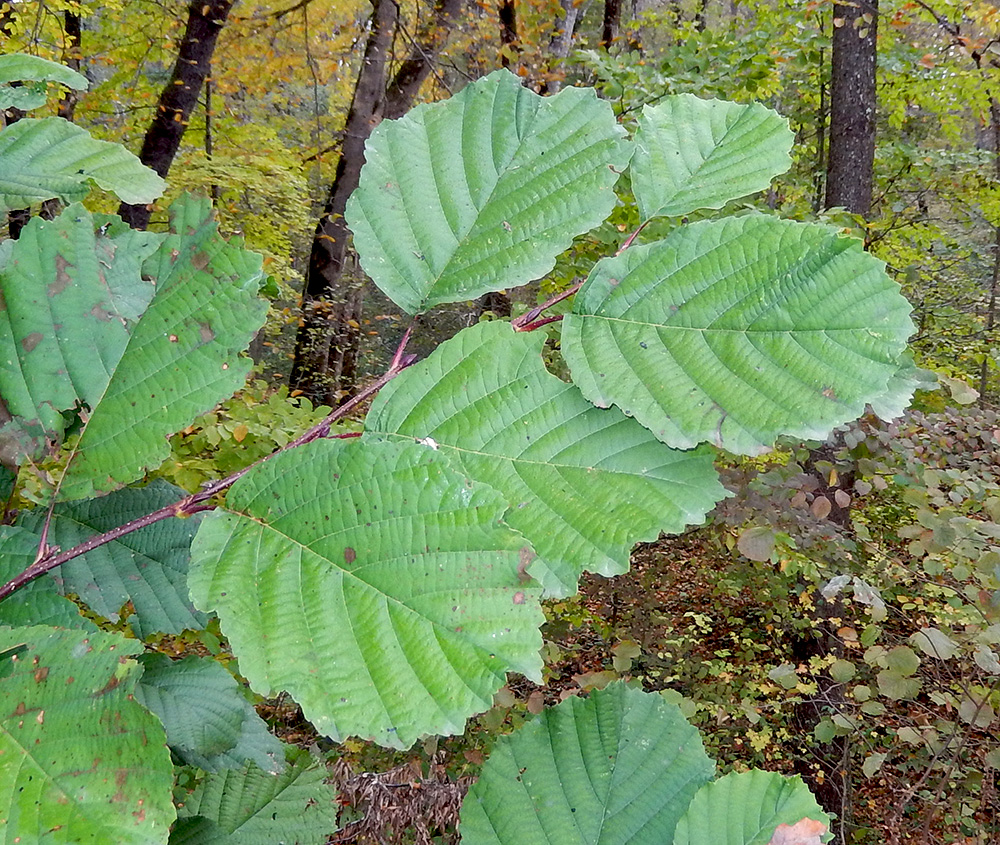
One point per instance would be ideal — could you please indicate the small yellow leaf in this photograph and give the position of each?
(240, 433)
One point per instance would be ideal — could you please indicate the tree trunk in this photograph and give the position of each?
(612, 22)
(180, 95)
(328, 340)
(17, 218)
(820, 168)
(430, 40)
(989, 327)
(701, 16)
(67, 102)
(509, 48)
(852, 107)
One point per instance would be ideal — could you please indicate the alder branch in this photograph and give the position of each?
(50, 558)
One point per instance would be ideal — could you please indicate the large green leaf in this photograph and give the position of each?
(147, 567)
(209, 723)
(182, 357)
(738, 331)
(70, 295)
(32, 73)
(251, 807)
(53, 158)
(38, 602)
(483, 191)
(82, 761)
(692, 153)
(582, 484)
(373, 583)
(620, 766)
(745, 808)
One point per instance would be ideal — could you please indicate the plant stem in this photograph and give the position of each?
(526, 322)
(50, 558)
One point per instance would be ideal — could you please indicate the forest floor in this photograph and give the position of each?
(686, 617)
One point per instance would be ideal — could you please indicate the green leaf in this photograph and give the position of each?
(745, 808)
(38, 602)
(79, 754)
(692, 153)
(147, 567)
(373, 583)
(482, 191)
(897, 687)
(34, 72)
(182, 357)
(934, 643)
(20, 67)
(209, 723)
(250, 807)
(69, 298)
(51, 157)
(738, 331)
(619, 766)
(583, 485)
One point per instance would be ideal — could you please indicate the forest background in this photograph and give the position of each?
(840, 617)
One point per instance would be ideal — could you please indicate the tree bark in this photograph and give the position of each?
(852, 107)
(180, 95)
(324, 364)
(989, 328)
(507, 13)
(67, 102)
(429, 41)
(612, 22)
(326, 344)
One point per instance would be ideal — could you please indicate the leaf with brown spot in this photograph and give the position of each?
(89, 740)
(58, 357)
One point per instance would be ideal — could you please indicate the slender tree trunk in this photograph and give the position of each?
(560, 44)
(849, 179)
(209, 140)
(429, 41)
(989, 327)
(612, 22)
(821, 115)
(509, 44)
(67, 102)
(326, 346)
(180, 95)
(852, 107)
(701, 16)
(17, 218)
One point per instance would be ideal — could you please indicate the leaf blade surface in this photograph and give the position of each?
(483, 191)
(583, 485)
(374, 584)
(737, 331)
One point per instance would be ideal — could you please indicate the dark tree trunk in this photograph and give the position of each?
(612, 22)
(701, 16)
(17, 218)
(327, 344)
(70, 97)
(852, 107)
(507, 12)
(180, 95)
(430, 39)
